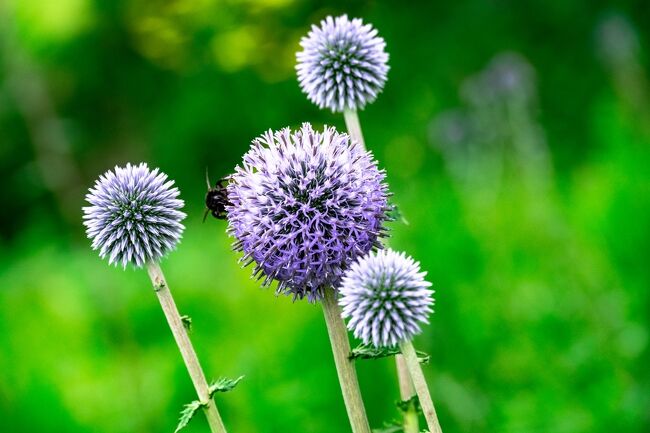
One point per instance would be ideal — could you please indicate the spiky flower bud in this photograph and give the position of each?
(304, 205)
(385, 296)
(343, 64)
(134, 215)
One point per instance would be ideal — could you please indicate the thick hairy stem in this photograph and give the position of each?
(344, 365)
(185, 346)
(420, 384)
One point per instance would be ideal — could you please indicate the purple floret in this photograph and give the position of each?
(304, 206)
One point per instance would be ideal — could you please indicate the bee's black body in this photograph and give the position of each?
(216, 199)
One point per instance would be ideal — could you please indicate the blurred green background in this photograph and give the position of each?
(516, 136)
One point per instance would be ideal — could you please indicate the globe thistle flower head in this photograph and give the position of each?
(303, 206)
(385, 297)
(343, 64)
(134, 215)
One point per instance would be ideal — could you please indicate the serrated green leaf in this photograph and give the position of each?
(223, 385)
(367, 351)
(187, 413)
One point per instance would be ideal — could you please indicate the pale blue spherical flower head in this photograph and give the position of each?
(386, 298)
(134, 215)
(303, 206)
(343, 64)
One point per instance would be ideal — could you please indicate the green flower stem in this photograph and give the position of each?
(185, 346)
(353, 125)
(420, 384)
(344, 365)
(410, 416)
(411, 422)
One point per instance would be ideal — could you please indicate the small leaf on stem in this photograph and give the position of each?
(187, 322)
(223, 385)
(368, 351)
(187, 413)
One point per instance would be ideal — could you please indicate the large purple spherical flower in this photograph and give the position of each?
(303, 206)
(134, 215)
(343, 64)
(385, 296)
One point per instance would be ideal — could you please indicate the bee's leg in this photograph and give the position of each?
(205, 214)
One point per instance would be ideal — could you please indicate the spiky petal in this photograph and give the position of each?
(385, 297)
(134, 215)
(343, 64)
(305, 205)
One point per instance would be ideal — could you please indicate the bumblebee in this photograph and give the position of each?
(216, 199)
